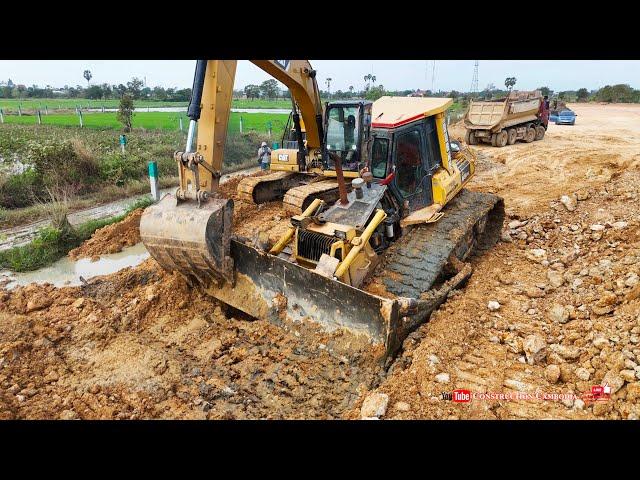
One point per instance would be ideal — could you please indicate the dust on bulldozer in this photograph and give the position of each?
(141, 344)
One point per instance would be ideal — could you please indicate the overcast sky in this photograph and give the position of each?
(393, 74)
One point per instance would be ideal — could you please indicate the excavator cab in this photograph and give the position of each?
(347, 129)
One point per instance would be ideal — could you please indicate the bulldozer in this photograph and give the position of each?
(300, 171)
(376, 262)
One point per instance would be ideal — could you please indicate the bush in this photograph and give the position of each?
(45, 249)
(117, 168)
(63, 163)
(242, 149)
(20, 190)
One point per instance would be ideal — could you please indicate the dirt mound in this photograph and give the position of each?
(141, 344)
(111, 238)
(569, 296)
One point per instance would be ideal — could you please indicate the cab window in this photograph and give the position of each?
(409, 171)
(379, 154)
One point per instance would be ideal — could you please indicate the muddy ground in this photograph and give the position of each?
(564, 315)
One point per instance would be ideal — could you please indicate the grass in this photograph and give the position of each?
(51, 244)
(32, 104)
(53, 104)
(152, 121)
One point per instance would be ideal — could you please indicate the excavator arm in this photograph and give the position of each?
(191, 232)
(200, 167)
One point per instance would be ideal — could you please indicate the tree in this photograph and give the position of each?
(87, 75)
(252, 91)
(367, 79)
(545, 91)
(125, 112)
(351, 91)
(106, 91)
(269, 88)
(94, 92)
(582, 94)
(121, 89)
(373, 80)
(374, 93)
(510, 82)
(134, 87)
(328, 80)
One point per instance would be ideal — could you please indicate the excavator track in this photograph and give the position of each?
(267, 187)
(297, 190)
(297, 199)
(419, 259)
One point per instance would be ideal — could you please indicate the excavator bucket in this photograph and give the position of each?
(192, 240)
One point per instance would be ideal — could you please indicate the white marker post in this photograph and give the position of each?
(153, 180)
(46, 110)
(80, 117)
(39, 118)
(1, 116)
(180, 123)
(240, 124)
(19, 110)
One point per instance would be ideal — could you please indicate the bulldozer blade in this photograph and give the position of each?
(192, 240)
(273, 289)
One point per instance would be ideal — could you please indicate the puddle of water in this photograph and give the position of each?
(66, 272)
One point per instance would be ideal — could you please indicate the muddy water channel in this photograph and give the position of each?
(67, 272)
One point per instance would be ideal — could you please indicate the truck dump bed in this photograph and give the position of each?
(517, 107)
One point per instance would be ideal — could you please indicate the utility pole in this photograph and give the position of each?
(433, 77)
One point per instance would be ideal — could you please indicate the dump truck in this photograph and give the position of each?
(375, 263)
(504, 121)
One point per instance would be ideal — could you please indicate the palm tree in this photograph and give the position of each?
(510, 82)
(367, 78)
(351, 90)
(328, 80)
(373, 80)
(87, 75)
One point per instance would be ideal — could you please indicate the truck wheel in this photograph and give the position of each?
(512, 134)
(530, 136)
(470, 138)
(493, 139)
(540, 132)
(501, 138)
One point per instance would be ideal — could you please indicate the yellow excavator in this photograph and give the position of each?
(375, 262)
(301, 171)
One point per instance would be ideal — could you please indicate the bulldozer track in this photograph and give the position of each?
(472, 220)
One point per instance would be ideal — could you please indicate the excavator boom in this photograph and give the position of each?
(190, 231)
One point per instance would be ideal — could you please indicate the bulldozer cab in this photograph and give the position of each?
(347, 129)
(407, 157)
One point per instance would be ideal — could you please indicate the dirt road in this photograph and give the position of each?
(140, 344)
